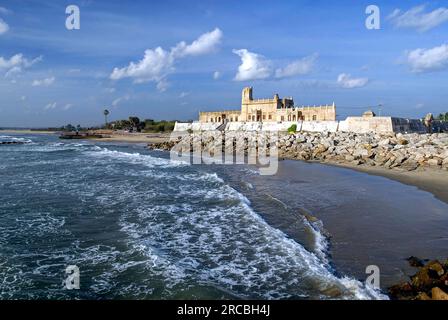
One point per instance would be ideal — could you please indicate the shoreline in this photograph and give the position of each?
(136, 138)
(432, 181)
(26, 131)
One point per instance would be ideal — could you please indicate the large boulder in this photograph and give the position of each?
(438, 294)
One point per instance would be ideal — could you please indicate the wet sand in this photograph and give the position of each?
(434, 181)
(371, 220)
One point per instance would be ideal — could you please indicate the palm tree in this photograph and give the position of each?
(106, 113)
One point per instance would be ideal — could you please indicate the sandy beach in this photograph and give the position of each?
(137, 137)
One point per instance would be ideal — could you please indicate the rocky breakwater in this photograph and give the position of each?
(403, 151)
(429, 283)
(392, 151)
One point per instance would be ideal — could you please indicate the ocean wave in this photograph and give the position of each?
(15, 139)
(136, 158)
(224, 242)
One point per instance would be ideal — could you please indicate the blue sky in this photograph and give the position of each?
(316, 51)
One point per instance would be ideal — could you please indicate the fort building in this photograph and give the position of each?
(269, 110)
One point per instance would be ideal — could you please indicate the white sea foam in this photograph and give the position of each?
(14, 139)
(191, 230)
(230, 245)
(136, 158)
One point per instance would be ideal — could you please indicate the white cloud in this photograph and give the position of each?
(253, 66)
(158, 63)
(4, 27)
(44, 82)
(16, 64)
(216, 75)
(419, 105)
(206, 43)
(346, 81)
(67, 106)
(427, 60)
(50, 106)
(117, 101)
(23, 98)
(184, 94)
(418, 19)
(298, 67)
(3, 10)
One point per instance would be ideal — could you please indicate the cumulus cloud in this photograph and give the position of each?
(206, 43)
(44, 82)
(216, 75)
(4, 27)
(419, 19)
(346, 81)
(298, 67)
(158, 63)
(16, 64)
(427, 60)
(253, 66)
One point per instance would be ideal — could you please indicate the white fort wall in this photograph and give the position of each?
(351, 124)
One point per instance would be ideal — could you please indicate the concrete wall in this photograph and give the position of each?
(364, 125)
(320, 126)
(351, 124)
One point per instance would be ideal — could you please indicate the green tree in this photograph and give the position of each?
(292, 129)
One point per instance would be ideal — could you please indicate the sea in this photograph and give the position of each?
(137, 225)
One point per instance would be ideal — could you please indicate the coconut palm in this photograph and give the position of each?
(106, 113)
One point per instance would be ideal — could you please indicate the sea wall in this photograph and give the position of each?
(351, 124)
(387, 150)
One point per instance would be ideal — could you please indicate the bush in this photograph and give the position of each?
(292, 129)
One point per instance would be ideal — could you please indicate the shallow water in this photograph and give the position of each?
(141, 226)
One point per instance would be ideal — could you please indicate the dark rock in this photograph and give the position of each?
(437, 268)
(11, 142)
(428, 276)
(415, 262)
(402, 291)
(422, 296)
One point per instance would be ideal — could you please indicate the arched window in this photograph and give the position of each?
(211, 120)
(294, 118)
(314, 117)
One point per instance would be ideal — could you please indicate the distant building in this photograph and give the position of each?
(269, 110)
